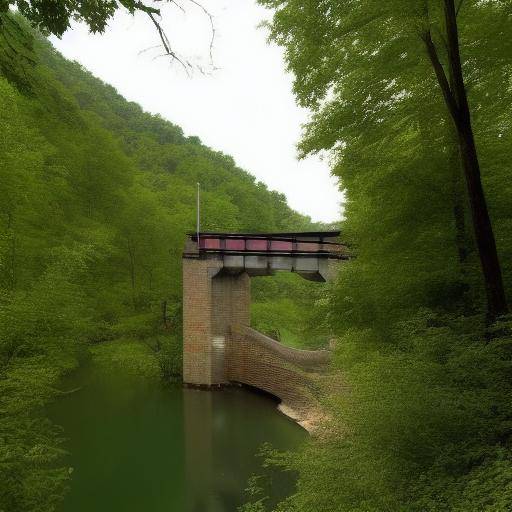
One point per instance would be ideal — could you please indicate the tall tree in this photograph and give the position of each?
(360, 64)
(454, 92)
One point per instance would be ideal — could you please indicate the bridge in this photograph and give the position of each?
(219, 346)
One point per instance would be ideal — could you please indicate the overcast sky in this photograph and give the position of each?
(244, 108)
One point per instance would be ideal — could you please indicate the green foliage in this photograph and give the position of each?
(39, 341)
(169, 352)
(418, 431)
(424, 423)
(55, 17)
(18, 58)
(423, 428)
(290, 309)
(131, 356)
(257, 495)
(96, 199)
(377, 107)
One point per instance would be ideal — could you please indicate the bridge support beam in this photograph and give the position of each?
(212, 301)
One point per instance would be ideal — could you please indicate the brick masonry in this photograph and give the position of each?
(294, 376)
(212, 301)
(219, 347)
(197, 314)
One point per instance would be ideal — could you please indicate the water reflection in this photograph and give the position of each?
(137, 445)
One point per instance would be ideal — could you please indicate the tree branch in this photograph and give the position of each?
(167, 45)
(441, 76)
(210, 17)
(151, 12)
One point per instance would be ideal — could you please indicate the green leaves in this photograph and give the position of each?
(96, 197)
(426, 422)
(55, 17)
(362, 69)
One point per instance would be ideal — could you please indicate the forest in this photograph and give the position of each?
(426, 425)
(97, 198)
(412, 101)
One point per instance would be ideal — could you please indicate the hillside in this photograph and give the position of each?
(97, 196)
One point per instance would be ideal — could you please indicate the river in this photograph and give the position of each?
(137, 444)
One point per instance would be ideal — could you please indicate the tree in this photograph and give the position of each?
(455, 96)
(357, 64)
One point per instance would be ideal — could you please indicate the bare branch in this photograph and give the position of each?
(154, 47)
(167, 45)
(177, 5)
(210, 17)
(151, 12)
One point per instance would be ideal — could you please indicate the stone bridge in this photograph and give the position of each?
(219, 346)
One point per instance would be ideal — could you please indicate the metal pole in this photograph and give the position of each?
(198, 216)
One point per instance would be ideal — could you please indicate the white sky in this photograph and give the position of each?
(244, 108)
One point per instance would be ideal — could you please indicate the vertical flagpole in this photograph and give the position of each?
(198, 216)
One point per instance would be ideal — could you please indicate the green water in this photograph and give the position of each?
(138, 445)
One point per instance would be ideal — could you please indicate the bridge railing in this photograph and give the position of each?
(306, 359)
(320, 244)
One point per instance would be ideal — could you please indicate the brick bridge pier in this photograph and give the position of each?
(219, 346)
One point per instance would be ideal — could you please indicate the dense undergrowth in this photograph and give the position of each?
(424, 426)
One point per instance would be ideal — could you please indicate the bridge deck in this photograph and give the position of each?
(318, 244)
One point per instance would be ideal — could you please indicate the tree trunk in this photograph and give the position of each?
(459, 213)
(456, 100)
(485, 241)
(459, 210)
(484, 236)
